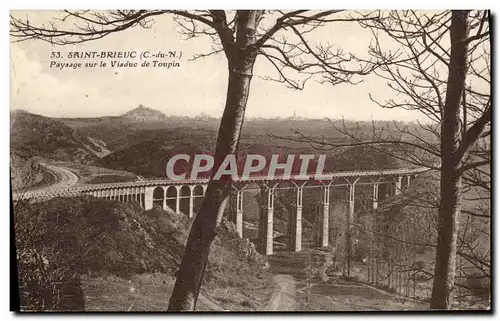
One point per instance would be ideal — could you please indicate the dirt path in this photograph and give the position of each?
(283, 297)
(65, 177)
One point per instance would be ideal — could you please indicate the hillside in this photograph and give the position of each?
(111, 130)
(25, 172)
(35, 135)
(146, 153)
(106, 241)
(170, 137)
(137, 124)
(149, 158)
(144, 145)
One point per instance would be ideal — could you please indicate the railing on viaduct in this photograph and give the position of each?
(167, 193)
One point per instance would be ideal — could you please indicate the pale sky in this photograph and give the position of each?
(193, 88)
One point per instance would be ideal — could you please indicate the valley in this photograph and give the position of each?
(56, 153)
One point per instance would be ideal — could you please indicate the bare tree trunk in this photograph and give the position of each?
(449, 209)
(240, 63)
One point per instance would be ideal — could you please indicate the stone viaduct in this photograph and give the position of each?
(186, 195)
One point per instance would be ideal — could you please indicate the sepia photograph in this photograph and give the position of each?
(250, 160)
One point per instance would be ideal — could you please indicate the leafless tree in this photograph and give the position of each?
(282, 38)
(440, 68)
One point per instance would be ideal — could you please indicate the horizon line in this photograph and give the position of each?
(204, 115)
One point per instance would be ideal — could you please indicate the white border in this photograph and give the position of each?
(144, 4)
